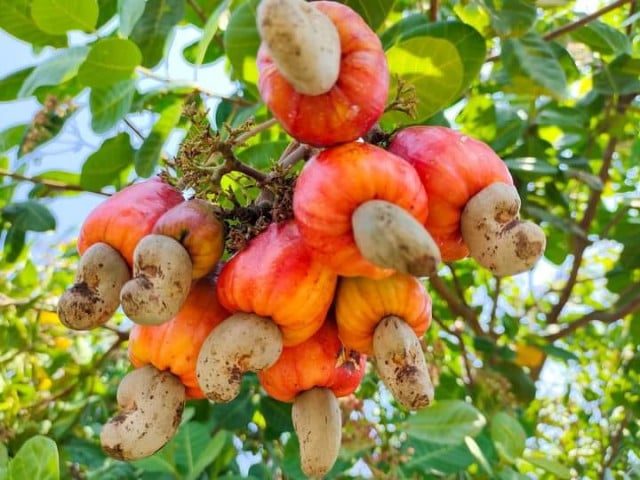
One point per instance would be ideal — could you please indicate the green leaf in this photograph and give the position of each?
(558, 470)
(205, 456)
(12, 136)
(110, 61)
(16, 20)
(373, 12)
(602, 38)
(29, 215)
(55, 70)
(440, 60)
(209, 31)
(36, 459)
(14, 243)
(564, 224)
(41, 191)
(617, 77)
(56, 17)
(477, 453)
(532, 66)
(241, 42)
(129, 12)
(110, 104)
(531, 165)
(11, 84)
(152, 30)
(146, 158)
(446, 422)
(104, 166)
(213, 53)
(277, 416)
(558, 352)
(511, 18)
(508, 436)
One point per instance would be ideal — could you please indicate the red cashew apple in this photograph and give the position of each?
(153, 395)
(185, 244)
(386, 319)
(473, 205)
(279, 294)
(360, 210)
(312, 375)
(297, 44)
(106, 243)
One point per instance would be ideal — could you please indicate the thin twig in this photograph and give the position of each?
(574, 25)
(494, 308)
(455, 304)
(193, 85)
(52, 184)
(455, 332)
(604, 316)
(610, 454)
(196, 8)
(133, 128)
(243, 137)
(433, 10)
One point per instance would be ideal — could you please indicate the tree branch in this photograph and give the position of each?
(52, 184)
(575, 25)
(433, 10)
(604, 315)
(196, 8)
(457, 332)
(455, 304)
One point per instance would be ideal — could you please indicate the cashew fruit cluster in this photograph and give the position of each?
(311, 298)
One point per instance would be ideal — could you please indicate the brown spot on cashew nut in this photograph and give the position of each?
(95, 295)
(318, 425)
(400, 363)
(241, 343)
(303, 43)
(161, 281)
(153, 402)
(389, 237)
(494, 234)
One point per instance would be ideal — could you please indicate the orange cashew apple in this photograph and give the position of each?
(474, 208)
(280, 295)
(185, 244)
(153, 395)
(323, 72)
(106, 243)
(312, 375)
(386, 319)
(360, 210)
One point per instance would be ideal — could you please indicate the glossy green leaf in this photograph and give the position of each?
(11, 137)
(562, 223)
(277, 416)
(151, 31)
(433, 67)
(446, 422)
(147, 157)
(14, 243)
(511, 18)
(205, 455)
(556, 469)
(602, 38)
(531, 165)
(56, 17)
(55, 70)
(241, 42)
(29, 216)
(478, 454)
(213, 53)
(16, 19)
(508, 436)
(11, 84)
(104, 166)
(617, 77)
(110, 104)
(434, 458)
(129, 12)
(68, 178)
(37, 458)
(374, 12)
(532, 66)
(209, 31)
(110, 61)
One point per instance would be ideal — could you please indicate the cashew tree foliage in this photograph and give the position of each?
(536, 375)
